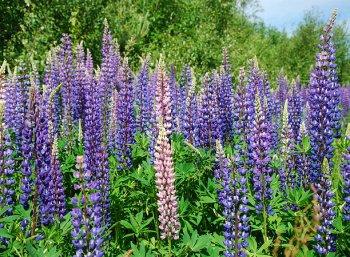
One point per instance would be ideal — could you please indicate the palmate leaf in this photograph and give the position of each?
(255, 251)
(195, 242)
(142, 251)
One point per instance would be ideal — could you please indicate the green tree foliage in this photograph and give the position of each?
(183, 31)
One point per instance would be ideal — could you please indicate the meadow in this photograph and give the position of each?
(104, 160)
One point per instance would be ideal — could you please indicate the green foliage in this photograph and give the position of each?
(192, 32)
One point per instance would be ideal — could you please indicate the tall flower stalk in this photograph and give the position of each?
(165, 182)
(233, 197)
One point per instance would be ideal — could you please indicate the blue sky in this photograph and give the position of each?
(286, 14)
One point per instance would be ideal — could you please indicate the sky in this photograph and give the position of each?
(286, 14)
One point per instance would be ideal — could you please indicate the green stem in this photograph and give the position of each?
(265, 224)
(169, 246)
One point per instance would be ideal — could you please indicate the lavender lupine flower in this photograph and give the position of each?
(208, 114)
(323, 118)
(165, 182)
(234, 200)
(326, 241)
(190, 106)
(260, 142)
(142, 97)
(125, 119)
(57, 197)
(225, 95)
(345, 171)
(176, 101)
(295, 109)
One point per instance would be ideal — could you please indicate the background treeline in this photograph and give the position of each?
(191, 31)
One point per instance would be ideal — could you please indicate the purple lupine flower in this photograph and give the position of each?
(110, 63)
(68, 90)
(260, 142)
(345, 99)
(269, 109)
(244, 108)
(78, 77)
(306, 116)
(286, 140)
(142, 97)
(255, 79)
(165, 182)
(125, 119)
(190, 106)
(86, 215)
(281, 93)
(208, 114)
(294, 110)
(225, 95)
(104, 186)
(110, 66)
(304, 96)
(326, 240)
(112, 131)
(57, 197)
(233, 197)
(10, 103)
(323, 118)
(345, 171)
(27, 150)
(302, 161)
(152, 133)
(176, 101)
(42, 149)
(52, 81)
(7, 179)
(333, 85)
(22, 91)
(93, 124)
